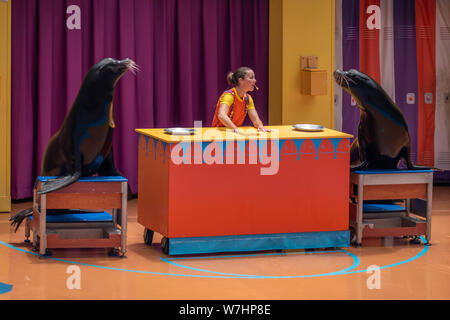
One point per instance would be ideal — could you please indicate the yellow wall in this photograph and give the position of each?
(300, 28)
(5, 106)
(275, 61)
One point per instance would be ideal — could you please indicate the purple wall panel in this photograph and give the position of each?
(405, 65)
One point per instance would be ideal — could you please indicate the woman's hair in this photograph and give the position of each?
(233, 77)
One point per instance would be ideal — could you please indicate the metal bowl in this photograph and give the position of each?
(179, 131)
(308, 127)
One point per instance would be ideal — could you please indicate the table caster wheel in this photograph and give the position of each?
(113, 253)
(47, 254)
(148, 236)
(415, 240)
(165, 245)
(353, 237)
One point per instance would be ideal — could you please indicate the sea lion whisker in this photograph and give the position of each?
(346, 82)
(133, 70)
(133, 64)
(336, 76)
(348, 78)
(339, 79)
(133, 67)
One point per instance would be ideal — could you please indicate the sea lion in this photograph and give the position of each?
(383, 136)
(83, 145)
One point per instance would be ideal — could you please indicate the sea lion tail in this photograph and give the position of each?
(358, 166)
(412, 166)
(420, 167)
(58, 183)
(19, 217)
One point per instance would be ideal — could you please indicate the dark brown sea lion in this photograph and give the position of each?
(383, 136)
(83, 145)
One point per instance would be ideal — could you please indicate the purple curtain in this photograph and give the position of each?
(184, 49)
(350, 57)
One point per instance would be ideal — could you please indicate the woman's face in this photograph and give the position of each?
(248, 83)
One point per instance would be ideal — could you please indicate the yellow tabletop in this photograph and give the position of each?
(249, 133)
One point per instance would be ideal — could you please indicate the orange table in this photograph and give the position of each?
(220, 186)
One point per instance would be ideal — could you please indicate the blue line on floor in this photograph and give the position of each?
(356, 262)
(354, 265)
(5, 288)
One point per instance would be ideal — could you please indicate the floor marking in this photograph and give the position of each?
(345, 271)
(5, 288)
(354, 265)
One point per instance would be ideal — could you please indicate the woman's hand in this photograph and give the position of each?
(262, 129)
(257, 123)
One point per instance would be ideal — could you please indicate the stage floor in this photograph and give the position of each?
(406, 271)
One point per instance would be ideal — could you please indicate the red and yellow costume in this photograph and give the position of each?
(238, 107)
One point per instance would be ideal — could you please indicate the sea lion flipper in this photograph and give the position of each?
(406, 153)
(107, 167)
(417, 167)
(358, 166)
(355, 162)
(19, 217)
(58, 183)
(354, 152)
(357, 155)
(412, 166)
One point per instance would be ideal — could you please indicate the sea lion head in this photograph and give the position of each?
(104, 75)
(358, 84)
